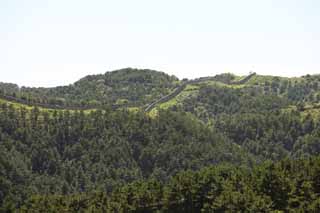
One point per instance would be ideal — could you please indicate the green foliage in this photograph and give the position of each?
(59, 152)
(137, 87)
(287, 186)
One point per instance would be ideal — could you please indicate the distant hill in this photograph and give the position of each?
(132, 87)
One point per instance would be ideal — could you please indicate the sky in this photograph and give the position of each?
(56, 42)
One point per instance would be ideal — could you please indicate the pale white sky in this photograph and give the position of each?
(56, 42)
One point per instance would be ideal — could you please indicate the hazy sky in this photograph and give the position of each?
(55, 42)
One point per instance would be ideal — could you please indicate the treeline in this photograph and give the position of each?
(286, 186)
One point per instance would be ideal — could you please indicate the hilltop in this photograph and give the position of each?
(127, 87)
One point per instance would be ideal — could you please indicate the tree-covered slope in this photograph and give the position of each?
(57, 158)
(132, 87)
(63, 152)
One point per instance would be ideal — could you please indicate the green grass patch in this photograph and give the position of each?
(133, 109)
(27, 107)
(220, 84)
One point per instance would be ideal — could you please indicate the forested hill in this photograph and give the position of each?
(125, 87)
(224, 143)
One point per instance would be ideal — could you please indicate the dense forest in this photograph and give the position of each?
(217, 144)
(286, 186)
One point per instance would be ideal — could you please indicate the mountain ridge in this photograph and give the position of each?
(96, 90)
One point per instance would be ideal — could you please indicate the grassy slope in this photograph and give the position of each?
(19, 105)
(187, 92)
